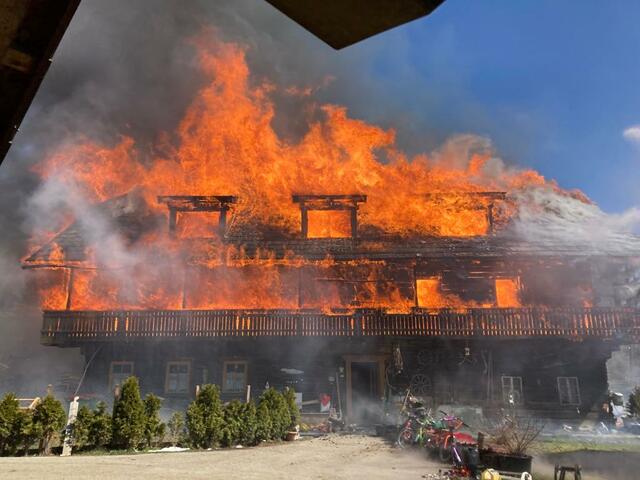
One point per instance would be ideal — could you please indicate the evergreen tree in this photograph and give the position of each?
(633, 405)
(9, 411)
(82, 427)
(278, 412)
(264, 428)
(176, 427)
(48, 419)
(153, 428)
(128, 421)
(204, 418)
(25, 433)
(294, 411)
(101, 429)
(232, 418)
(248, 424)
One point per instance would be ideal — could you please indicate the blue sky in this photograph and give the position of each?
(554, 83)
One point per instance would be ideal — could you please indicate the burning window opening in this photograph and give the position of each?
(323, 223)
(181, 205)
(508, 292)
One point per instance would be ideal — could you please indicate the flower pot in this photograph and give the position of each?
(291, 436)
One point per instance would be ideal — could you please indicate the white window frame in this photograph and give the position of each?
(565, 397)
(508, 383)
(224, 375)
(112, 375)
(167, 375)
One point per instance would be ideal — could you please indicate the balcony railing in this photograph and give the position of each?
(72, 327)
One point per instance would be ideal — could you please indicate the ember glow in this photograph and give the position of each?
(226, 145)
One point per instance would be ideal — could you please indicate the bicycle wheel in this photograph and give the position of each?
(444, 452)
(405, 438)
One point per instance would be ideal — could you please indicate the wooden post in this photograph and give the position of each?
(184, 288)
(300, 299)
(70, 275)
(248, 394)
(304, 220)
(354, 222)
(173, 216)
(490, 218)
(222, 221)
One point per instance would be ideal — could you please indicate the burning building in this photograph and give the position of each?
(333, 263)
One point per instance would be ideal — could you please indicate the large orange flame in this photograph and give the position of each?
(227, 145)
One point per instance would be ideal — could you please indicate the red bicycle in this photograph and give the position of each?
(455, 447)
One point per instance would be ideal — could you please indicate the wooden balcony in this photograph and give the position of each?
(68, 328)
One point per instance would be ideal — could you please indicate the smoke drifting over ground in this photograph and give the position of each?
(130, 69)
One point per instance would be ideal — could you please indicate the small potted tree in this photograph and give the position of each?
(511, 440)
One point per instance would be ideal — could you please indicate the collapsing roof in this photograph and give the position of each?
(341, 23)
(130, 217)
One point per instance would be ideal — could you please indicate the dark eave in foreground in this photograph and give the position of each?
(341, 23)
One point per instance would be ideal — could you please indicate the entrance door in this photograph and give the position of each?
(365, 398)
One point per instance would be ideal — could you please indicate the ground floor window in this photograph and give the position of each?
(512, 390)
(234, 376)
(177, 377)
(569, 390)
(119, 372)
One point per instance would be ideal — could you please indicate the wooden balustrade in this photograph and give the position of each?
(62, 327)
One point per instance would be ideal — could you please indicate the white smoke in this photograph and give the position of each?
(544, 214)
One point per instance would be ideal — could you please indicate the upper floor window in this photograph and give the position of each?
(508, 292)
(119, 372)
(569, 390)
(512, 390)
(234, 376)
(177, 377)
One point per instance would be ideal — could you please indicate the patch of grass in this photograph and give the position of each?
(564, 445)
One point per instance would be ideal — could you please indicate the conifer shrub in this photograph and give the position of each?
(294, 411)
(128, 420)
(48, 419)
(82, 427)
(248, 424)
(633, 405)
(176, 427)
(232, 424)
(24, 432)
(278, 413)
(9, 413)
(263, 423)
(101, 429)
(205, 418)
(154, 429)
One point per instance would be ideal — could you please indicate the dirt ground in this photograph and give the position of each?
(332, 457)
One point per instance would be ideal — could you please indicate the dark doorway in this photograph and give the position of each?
(364, 393)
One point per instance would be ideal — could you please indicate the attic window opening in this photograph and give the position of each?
(469, 213)
(329, 216)
(180, 205)
(329, 224)
(197, 224)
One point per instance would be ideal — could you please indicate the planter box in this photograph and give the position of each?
(507, 463)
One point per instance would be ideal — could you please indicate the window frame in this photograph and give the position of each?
(505, 394)
(567, 381)
(224, 375)
(112, 385)
(171, 363)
